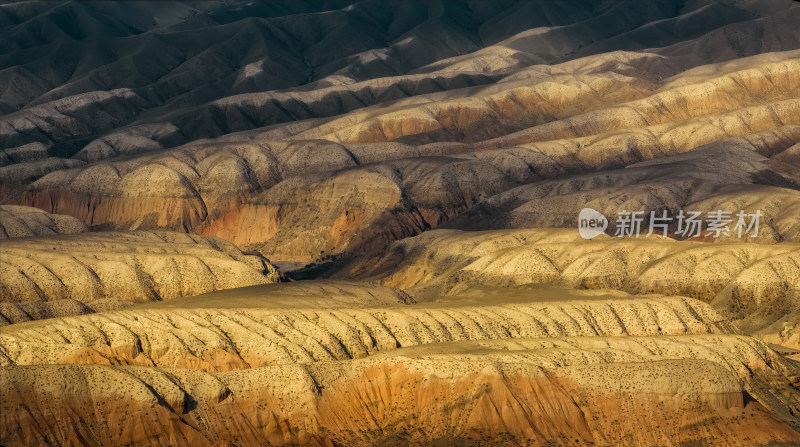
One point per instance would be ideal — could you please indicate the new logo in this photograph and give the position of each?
(591, 223)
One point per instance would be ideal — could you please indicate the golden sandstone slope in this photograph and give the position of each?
(427, 162)
(74, 274)
(756, 286)
(590, 369)
(24, 221)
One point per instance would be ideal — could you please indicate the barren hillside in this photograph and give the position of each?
(357, 223)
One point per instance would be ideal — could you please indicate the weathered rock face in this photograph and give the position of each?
(344, 206)
(75, 274)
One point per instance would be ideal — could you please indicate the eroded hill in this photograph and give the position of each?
(585, 370)
(389, 147)
(431, 157)
(76, 274)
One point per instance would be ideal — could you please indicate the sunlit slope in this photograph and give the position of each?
(60, 275)
(755, 285)
(584, 370)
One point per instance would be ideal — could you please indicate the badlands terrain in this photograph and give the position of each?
(355, 223)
